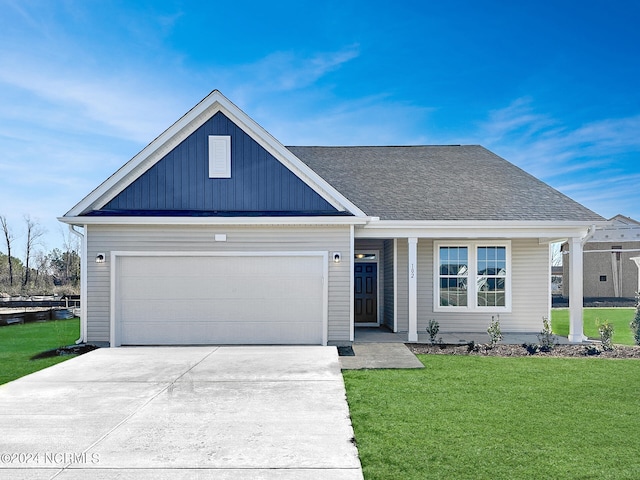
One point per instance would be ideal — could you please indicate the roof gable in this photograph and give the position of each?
(179, 182)
(159, 180)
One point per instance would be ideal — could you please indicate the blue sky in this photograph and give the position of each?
(552, 86)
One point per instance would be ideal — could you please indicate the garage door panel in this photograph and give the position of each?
(159, 333)
(219, 300)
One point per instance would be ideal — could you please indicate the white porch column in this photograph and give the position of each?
(413, 290)
(576, 298)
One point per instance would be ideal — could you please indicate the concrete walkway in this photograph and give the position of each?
(181, 413)
(380, 355)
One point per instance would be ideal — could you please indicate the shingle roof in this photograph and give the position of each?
(439, 183)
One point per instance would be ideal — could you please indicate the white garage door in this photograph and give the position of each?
(180, 300)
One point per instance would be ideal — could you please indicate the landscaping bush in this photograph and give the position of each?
(546, 338)
(635, 326)
(495, 334)
(606, 334)
(432, 330)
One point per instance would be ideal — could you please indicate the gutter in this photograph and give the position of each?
(83, 286)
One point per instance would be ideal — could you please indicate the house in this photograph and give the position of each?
(610, 265)
(216, 233)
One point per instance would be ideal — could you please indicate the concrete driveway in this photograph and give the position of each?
(181, 413)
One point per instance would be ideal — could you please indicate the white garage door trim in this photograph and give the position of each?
(114, 336)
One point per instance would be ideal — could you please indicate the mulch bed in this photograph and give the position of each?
(69, 350)
(500, 350)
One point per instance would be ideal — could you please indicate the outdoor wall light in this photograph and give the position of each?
(337, 256)
(101, 258)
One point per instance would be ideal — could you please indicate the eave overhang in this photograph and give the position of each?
(256, 221)
(546, 231)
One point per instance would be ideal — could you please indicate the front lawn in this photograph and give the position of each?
(619, 317)
(18, 343)
(498, 418)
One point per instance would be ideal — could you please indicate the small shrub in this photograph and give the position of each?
(635, 326)
(592, 349)
(532, 348)
(495, 335)
(432, 330)
(472, 346)
(546, 338)
(606, 334)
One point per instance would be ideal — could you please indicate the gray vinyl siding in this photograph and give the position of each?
(530, 292)
(105, 239)
(389, 280)
(529, 282)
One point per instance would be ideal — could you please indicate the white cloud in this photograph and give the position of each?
(596, 163)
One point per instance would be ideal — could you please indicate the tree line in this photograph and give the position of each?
(38, 272)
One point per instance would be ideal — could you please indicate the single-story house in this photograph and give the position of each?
(611, 260)
(216, 233)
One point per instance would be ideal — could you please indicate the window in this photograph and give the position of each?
(491, 276)
(472, 276)
(454, 270)
(603, 278)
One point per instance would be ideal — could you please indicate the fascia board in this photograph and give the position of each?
(184, 127)
(473, 229)
(214, 220)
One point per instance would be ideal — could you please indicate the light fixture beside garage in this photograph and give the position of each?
(101, 258)
(337, 257)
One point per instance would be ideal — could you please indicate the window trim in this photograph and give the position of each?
(472, 285)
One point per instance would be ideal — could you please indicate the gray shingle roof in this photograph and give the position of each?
(439, 183)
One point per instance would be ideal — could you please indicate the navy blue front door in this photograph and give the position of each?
(366, 293)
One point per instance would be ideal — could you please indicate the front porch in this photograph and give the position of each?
(401, 283)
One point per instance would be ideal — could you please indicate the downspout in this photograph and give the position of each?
(83, 285)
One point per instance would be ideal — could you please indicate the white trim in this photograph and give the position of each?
(472, 229)
(352, 300)
(219, 156)
(472, 305)
(395, 285)
(412, 335)
(142, 220)
(550, 277)
(378, 275)
(576, 291)
(114, 336)
(214, 102)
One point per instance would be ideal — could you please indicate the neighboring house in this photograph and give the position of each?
(216, 233)
(609, 268)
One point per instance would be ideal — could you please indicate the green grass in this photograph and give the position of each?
(18, 343)
(498, 418)
(619, 317)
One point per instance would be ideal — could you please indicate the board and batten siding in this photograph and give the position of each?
(105, 239)
(529, 282)
(180, 180)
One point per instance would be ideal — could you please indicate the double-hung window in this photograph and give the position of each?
(472, 276)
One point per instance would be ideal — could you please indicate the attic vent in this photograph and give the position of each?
(219, 156)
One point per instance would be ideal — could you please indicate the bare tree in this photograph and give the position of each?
(34, 232)
(9, 237)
